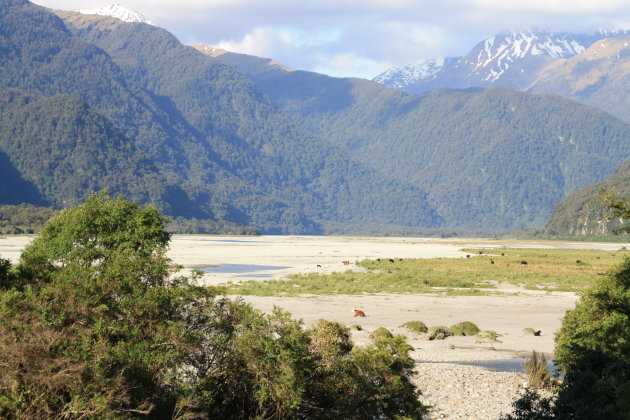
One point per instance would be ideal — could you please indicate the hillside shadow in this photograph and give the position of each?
(14, 189)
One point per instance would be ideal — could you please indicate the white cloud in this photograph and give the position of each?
(361, 37)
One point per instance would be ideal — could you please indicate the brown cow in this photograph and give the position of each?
(358, 312)
(345, 262)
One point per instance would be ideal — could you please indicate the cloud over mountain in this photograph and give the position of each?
(360, 38)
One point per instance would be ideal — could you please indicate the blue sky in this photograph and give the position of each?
(360, 38)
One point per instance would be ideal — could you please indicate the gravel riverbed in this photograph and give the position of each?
(467, 392)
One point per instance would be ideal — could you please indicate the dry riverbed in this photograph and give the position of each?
(454, 390)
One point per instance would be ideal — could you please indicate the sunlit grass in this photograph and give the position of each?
(545, 269)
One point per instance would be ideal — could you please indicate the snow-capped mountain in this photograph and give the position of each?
(401, 77)
(119, 12)
(510, 59)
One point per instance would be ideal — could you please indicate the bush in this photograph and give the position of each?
(95, 323)
(380, 332)
(593, 352)
(465, 328)
(439, 333)
(418, 327)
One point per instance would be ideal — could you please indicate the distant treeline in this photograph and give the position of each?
(28, 219)
(23, 218)
(206, 226)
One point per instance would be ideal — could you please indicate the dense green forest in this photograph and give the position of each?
(67, 150)
(493, 158)
(218, 148)
(127, 108)
(249, 136)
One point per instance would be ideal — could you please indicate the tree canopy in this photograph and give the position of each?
(97, 322)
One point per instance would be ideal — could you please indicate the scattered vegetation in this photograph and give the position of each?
(546, 269)
(417, 327)
(381, 332)
(95, 323)
(465, 328)
(439, 333)
(488, 336)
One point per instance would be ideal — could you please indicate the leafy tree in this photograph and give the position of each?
(593, 351)
(95, 322)
(618, 207)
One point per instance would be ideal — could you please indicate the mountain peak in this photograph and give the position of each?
(510, 58)
(119, 12)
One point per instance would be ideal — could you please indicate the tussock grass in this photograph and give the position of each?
(381, 332)
(417, 327)
(465, 328)
(546, 269)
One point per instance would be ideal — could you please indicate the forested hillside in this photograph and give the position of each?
(494, 158)
(582, 212)
(65, 149)
(205, 129)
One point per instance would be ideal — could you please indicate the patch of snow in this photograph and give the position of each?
(401, 77)
(119, 12)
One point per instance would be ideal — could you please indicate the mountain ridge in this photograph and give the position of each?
(461, 145)
(510, 59)
(213, 136)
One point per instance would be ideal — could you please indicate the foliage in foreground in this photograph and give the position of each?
(593, 351)
(95, 323)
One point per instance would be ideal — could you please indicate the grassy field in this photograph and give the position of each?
(540, 269)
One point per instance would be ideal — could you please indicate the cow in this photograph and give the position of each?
(358, 312)
(537, 333)
(345, 262)
(523, 262)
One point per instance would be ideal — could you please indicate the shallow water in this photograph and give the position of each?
(241, 268)
(507, 365)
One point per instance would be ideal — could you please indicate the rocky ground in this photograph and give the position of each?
(467, 392)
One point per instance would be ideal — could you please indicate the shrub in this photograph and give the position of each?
(465, 328)
(418, 327)
(439, 333)
(529, 331)
(380, 332)
(593, 352)
(94, 323)
(537, 371)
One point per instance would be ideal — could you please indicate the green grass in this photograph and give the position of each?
(417, 327)
(549, 270)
